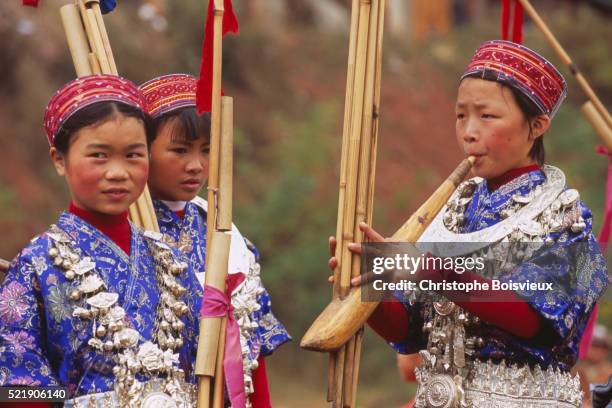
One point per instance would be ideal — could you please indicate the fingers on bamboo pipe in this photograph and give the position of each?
(77, 39)
(598, 123)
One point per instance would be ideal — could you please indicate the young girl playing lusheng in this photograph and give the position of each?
(503, 348)
(179, 169)
(95, 304)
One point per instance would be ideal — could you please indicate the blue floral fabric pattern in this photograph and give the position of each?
(189, 235)
(42, 344)
(574, 263)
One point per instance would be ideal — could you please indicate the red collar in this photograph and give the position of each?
(496, 182)
(116, 227)
(180, 213)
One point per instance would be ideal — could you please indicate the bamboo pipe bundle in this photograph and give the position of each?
(342, 318)
(211, 344)
(591, 95)
(356, 176)
(92, 54)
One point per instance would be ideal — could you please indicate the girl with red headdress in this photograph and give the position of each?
(94, 304)
(179, 169)
(510, 346)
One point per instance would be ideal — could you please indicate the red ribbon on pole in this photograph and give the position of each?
(230, 25)
(517, 23)
(517, 28)
(505, 19)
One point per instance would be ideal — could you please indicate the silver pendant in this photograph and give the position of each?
(158, 400)
(441, 392)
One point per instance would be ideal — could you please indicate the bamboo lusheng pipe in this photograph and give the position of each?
(342, 318)
(210, 350)
(211, 346)
(218, 394)
(365, 187)
(347, 201)
(95, 5)
(215, 117)
(567, 61)
(77, 42)
(598, 123)
(356, 177)
(208, 347)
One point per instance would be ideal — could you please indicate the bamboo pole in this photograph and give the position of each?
(77, 42)
(335, 360)
(95, 5)
(211, 344)
(215, 114)
(567, 61)
(218, 387)
(350, 193)
(362, 183)
(348, 104)
(353, 147)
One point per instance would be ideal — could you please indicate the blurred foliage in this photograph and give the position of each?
(288, 81)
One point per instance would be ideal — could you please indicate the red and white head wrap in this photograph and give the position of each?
(85, 91)
(169, 92)
(523, 69)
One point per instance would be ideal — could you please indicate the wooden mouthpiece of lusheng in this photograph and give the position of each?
(224, 212)
(598, 123)
(420, 220)
(76, 38)
(338, 322)
(210, 327)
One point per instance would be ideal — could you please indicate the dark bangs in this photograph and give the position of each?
(186, 124)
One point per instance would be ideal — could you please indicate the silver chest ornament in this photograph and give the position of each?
(450, 377)
(157, 358)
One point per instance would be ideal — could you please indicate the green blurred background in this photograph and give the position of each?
(287, 73)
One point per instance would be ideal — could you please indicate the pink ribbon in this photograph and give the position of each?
(215, 303)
